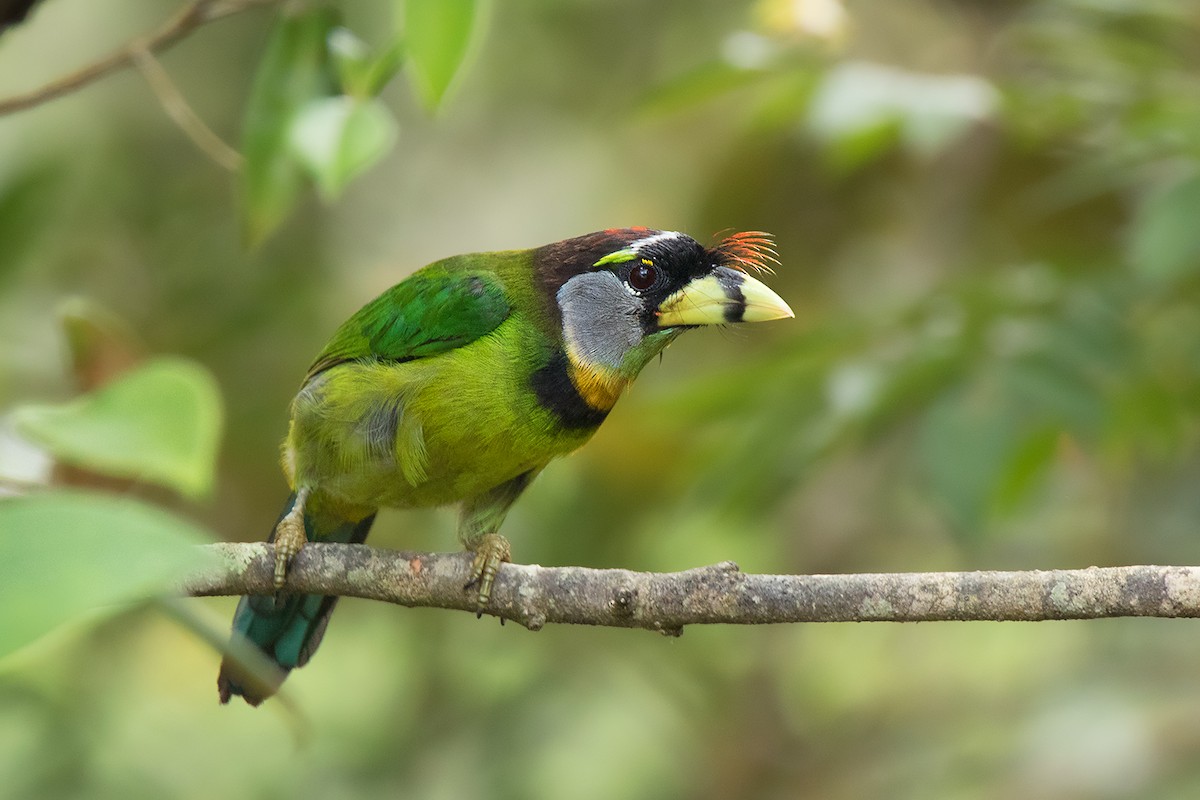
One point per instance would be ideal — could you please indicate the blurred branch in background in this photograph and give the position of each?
(187, 20)
(182, 114)
(533, 596)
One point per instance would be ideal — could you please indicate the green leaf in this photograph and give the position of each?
(1165, 239)
(337, 138)
(438, 33)
(101, 345)
(966, 439)
(384, 68)
(65, 555)
(351, 58)
(701, 85)
(293, 72)
(160, 423)
(27, 204)
(860, 99)
(360, 73)
(1028, 463)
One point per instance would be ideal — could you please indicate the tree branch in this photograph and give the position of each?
(188, 19)
(183, 115)
(534, 596)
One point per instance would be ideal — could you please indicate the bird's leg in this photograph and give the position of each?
(478, 524)
(289, 537)
(491, 550)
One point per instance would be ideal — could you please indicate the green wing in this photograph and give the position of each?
(434, 310)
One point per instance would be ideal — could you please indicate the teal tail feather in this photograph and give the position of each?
(286, 627)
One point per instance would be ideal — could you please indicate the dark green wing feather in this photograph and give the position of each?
(434, 310)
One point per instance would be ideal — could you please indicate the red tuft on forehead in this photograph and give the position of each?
(637, 230)
(747, 250)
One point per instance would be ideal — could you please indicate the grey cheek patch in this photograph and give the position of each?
(600, 317)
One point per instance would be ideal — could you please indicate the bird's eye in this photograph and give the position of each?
(643, 276)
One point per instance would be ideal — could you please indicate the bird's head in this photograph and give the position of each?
(620, 296)
(623, 294)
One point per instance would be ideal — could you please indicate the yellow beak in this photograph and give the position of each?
(722, 296)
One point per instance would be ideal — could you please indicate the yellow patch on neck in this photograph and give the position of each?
(599, 386)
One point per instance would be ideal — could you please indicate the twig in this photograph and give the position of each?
(177, 108)
(534, 596)
(13, 485)
(190, 17)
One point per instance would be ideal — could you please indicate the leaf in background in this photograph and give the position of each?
(1165, 238)
(361, 73)
(293, 72)
(102, 346)
(696, 87)
(384, 68)
(337, 138)
(1047, 389)
(160, 423)
(861, 102)
(28, 199)
(1030, 460)
(1148, 418)
(438, 34)
(66, 554)
(965, 442)
(351, 58)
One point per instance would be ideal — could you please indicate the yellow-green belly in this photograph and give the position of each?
(425, 432)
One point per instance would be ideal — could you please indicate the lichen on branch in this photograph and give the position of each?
(534, 596)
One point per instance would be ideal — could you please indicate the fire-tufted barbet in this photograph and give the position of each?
(459, 384)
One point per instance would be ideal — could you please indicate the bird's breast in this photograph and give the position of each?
(437, 430)
(599, 387)
(579, 396)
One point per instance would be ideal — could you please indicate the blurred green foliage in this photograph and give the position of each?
(159, 423)
(986, 214)
(62, 550)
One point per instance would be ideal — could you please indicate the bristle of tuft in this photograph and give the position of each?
(749, 250)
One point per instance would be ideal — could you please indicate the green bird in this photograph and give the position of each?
(462, 382)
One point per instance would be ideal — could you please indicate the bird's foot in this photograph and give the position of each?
(289, 539)
(491, 550)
